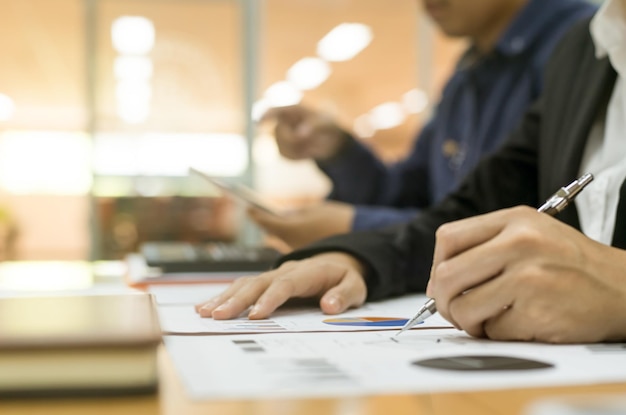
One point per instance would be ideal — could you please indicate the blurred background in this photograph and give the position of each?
(104, 104)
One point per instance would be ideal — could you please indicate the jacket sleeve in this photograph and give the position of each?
(398, 258)
(359, 177)
(373, 217)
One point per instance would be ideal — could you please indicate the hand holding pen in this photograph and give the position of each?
(553, 205)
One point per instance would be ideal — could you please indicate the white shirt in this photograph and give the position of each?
(605, 152)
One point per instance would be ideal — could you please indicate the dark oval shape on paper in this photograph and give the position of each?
(478, 362)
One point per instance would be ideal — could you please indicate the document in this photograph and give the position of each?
(316, 365)
(139, 275)
(175, 305)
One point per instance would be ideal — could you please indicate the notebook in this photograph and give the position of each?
(78, 345)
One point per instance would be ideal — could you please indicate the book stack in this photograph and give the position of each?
(78, 345)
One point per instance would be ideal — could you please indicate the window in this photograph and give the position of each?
(105, 103)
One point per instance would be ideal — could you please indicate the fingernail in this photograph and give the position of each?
(333, 302)
(224, 306)
(209, 304)
(255, 309)
(220, 308)
(431, 284)
(206, 310)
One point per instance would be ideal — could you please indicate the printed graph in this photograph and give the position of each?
(367, 321)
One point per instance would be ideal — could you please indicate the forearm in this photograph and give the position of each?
(384, 262)
(398, 258)
(356, 174)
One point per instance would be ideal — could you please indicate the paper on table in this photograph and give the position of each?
(140, 275)
(173, 294)
(177, 315)
(306, 365)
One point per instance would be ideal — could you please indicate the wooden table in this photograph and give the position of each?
(171, 399)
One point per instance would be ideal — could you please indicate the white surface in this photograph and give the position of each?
(364, 363)
(177, 314)
(607, 404)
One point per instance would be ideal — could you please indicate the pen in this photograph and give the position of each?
(555, 203)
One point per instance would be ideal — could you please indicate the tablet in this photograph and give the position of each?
(239, 191)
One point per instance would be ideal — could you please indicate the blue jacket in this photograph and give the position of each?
(481, 103)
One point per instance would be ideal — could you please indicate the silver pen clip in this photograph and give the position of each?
(559, 200)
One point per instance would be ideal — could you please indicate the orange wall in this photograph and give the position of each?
(50, 227)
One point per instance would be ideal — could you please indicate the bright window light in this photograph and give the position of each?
(133, 35)
(415, 101)
(308, 73)
(344, 42)
(132, 68)
(149, 186)
(133, 100)
(387, 115)
(259, 108)
(363, 126)
(45, 276)
(154, 154)
(133, 91)
(60, 163)
(282, 94)
(276, 176)
(133, 113)
(7, 107)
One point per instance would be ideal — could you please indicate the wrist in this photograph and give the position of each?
(341, 141)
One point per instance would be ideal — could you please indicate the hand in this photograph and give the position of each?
(304, 226)
(302, 133)
(335, 277)
(517, 274)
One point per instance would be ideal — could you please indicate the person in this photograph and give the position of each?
(495, 266)
(494, 82)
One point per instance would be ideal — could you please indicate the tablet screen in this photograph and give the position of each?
(239, 191)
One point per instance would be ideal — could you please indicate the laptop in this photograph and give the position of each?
(183, 257)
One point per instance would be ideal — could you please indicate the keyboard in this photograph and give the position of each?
(207, 257)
